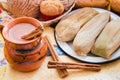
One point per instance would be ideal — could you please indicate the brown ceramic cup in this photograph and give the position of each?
(28, 44)
(21, 56)
(30, 63)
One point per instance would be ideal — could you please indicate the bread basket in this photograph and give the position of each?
(68, 9)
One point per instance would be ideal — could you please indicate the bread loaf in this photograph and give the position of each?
(115, 6)
(68, 27)
(85, 38)
(108, 41)
(92, 3)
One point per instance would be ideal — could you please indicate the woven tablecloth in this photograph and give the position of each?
(109, 71)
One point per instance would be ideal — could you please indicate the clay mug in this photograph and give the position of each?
(30, 63)
(36, 48)
(18, 45)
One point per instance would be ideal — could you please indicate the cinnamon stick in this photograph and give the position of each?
(62, 72)
(68, 65)
(37, 32)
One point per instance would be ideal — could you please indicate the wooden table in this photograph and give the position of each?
(110, 71)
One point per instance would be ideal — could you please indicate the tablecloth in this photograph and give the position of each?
(109, 71)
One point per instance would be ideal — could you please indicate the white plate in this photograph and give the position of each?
(68, 48)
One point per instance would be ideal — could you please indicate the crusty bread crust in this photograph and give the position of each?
(115, 5)
(51, 8)
(21, 8)
(92, 3)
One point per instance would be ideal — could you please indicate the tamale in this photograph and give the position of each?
(85, 38)
(68, 27)
(108, 41)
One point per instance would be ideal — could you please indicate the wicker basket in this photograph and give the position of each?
(68, 8)
(30, 8)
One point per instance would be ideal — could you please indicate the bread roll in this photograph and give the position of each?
(20, 8)
(108, 41)
(68, 27)
(92, 3)
(115, 6)
(51, 7)
(67, 3)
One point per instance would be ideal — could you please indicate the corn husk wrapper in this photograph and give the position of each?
(108, 41)
(69, 26)
(86, 37)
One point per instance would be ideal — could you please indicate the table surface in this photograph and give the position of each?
(109, 71)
